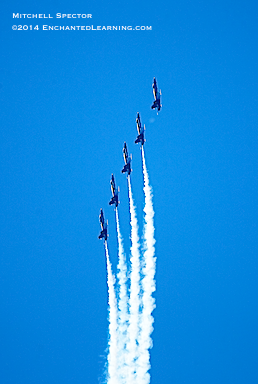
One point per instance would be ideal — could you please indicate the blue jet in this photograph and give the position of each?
(156, 94)
(103, 232)
(114, 190)
(140, 129)
(127, 159)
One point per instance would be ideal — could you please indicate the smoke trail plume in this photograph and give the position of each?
(112, 353)
(148, 283)
(134, 300)
(122, 305)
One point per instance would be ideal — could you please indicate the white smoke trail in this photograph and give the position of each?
(112, 353)
(134, 300)
(122, 306)
(148, 283)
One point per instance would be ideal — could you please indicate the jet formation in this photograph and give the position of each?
(127, 159)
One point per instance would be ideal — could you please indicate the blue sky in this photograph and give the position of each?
(69, 101)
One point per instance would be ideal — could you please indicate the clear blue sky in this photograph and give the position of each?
(68, 102)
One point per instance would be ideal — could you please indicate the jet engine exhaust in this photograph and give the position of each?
(112, 305)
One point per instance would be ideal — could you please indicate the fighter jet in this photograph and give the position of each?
(140, 129)
(114, 199)
(103, 232)
(127, 158)
(156, 94)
